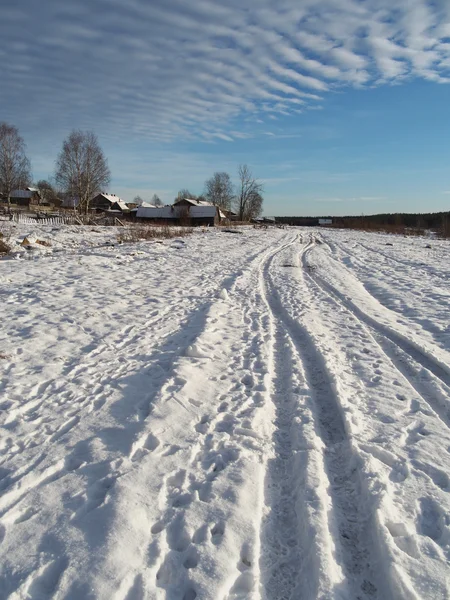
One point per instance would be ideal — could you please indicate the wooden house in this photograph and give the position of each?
(108, 203)
(28, 197)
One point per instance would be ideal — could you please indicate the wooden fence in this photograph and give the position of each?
(68, 219)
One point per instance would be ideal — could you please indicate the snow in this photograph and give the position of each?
(261, 417)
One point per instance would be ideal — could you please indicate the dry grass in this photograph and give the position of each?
(5, 247)
(396, 229)
(139, 233)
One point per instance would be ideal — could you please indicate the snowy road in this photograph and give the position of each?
(263, 415)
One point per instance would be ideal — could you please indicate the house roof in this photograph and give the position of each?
(193, 202)
(121, 204)
(174, 212)
(21, 194)
(111, 197)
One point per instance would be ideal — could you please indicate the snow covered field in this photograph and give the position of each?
(263, 415)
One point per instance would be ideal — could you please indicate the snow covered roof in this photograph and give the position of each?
(121, 204)
(111, 197)
(194, 202)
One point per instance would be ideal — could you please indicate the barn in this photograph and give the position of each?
(28, 197)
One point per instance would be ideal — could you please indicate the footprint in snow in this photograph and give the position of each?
(201, 535)
(171, 450)
(96, 495)
(202, 425)
(217, 533)
(430, 519)
(157, 527)
(438, 476)
(143, 446)
(192, 558)
(178, 537)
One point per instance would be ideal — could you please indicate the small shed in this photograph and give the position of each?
(28, 197)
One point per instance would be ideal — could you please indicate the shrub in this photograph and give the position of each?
(5, 235)
(4, 247)
(138, 233)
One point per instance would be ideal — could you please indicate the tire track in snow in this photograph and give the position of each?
(428, 271)
(401, 352)
(291, 557)
(350, 526)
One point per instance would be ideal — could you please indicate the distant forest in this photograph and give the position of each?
(413, 223)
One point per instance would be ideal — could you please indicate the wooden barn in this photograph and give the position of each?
(28, 197)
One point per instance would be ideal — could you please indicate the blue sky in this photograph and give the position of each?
(339, 106)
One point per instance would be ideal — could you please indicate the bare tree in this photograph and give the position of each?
(254, 206)
(219, 190)
(184, 193)
(81, 167)
(248, 198)
(46, 190)
(15, 170)
(138, 200)
(156, 200)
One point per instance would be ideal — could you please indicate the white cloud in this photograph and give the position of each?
(168, 69)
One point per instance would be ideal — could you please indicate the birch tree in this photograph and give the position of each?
(219, 190)
(81, 168)
(15, 170)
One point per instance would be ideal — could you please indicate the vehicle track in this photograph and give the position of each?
(428, 271)
(402, 353)
(349, 523)
(421, 356)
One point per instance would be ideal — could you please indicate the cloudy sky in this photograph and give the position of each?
(340, 106)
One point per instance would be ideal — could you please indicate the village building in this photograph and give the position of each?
(109, 203)
(185, 211)
(27, 197)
